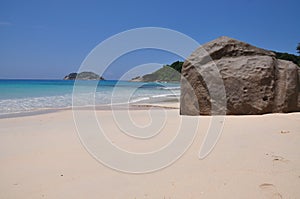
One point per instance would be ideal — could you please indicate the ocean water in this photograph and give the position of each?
(20, 96)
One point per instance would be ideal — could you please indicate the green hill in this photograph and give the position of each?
(168, 73)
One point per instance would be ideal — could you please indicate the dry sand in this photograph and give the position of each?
(41, 156)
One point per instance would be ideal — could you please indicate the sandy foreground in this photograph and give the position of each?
(41, 156)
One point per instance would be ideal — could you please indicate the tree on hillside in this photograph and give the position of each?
(298, 48)
(289, 57)
(177, 65)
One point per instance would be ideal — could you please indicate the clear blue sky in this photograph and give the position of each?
(48, 39)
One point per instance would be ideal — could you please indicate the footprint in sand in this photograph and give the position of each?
(279, 158)
(270, 191)
(284, 132)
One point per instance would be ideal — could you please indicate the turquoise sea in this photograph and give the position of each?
(20, 96)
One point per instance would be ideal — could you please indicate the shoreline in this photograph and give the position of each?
(57, 95)
(167, 104)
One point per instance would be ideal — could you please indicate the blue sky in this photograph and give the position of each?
(48, 39)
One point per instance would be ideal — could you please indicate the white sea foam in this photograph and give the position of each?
(103, 96)
(170, 88)
(155, 98)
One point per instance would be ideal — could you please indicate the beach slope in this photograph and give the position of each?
(41, 156)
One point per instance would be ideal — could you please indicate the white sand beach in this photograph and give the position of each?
(41, 156)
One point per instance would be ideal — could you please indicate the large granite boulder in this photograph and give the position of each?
(251, 80)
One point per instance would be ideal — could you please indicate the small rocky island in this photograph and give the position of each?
(83, 76)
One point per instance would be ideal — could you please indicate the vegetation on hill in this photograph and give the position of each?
(289, 57)
(168, 73)
(176, 65)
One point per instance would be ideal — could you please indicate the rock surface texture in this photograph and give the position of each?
(253, 81)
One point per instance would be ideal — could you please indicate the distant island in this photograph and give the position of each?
(83, 76)
(168, 73)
